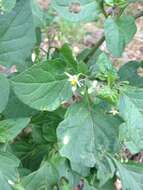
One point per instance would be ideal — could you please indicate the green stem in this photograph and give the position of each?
(102, 9)
(95, 47)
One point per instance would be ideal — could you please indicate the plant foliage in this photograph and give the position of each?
(66, 120)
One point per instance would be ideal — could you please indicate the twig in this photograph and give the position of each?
(102, 39)
(95, 47)
(43, 50)
(138, 15)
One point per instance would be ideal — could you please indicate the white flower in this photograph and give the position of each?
(113, 111)
(73, 79)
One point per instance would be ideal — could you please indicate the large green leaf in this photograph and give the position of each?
(4, 92)
(75, 11)
(131, 131)
(10, 128)
(87, 133)
(8, 170)
(131, 175)
(43, 86)
(118, 33)
(44, 178)
(129, 72)
(17, 36)
(20, 109)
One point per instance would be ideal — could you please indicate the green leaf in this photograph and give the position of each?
(88, 187)
(119, 33)
(30, 153)
(80, 169)
(135, 1)
(43, 86)
(44, 128)
(17, 36)
(103, 69)
(44, 178)
(82, 68)
(7, 5)
(108, 94)
(8, 170)
(129, 72)
(67, 56)
(38, 14)
(4, 184)
(10, 128)
(75, 11)
(136, 96)
(131, 131)
(108, 186)
(131, 175)
(102, 66)
(20, 109)
(4, 92)
(87, 133)
(65, 186)
(64, 170)
(106, 170)
(120, 3)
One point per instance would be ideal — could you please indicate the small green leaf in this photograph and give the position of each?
(4, 92)
(119, 3)
(7, 5)
(102, 66)
(108, 94)
(66, 55)
(106, 170)
(103, 69)
(64, 170)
